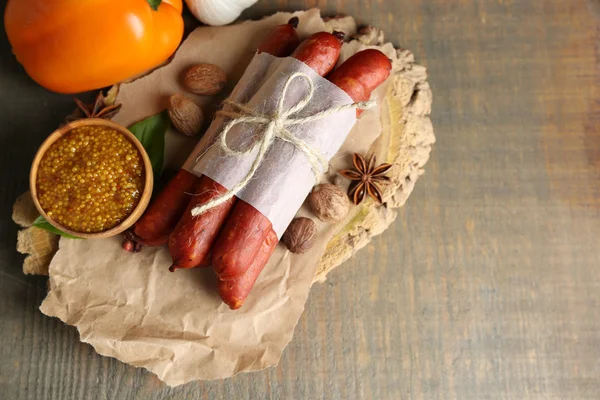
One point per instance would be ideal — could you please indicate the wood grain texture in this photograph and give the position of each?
(486, 287)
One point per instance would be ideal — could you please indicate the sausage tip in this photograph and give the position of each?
(174, 267)
(234, 303)
(294, 21)
(131, 245)
(339, 35)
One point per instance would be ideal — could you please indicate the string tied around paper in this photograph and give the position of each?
(275, 127)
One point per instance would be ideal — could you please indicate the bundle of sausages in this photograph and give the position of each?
(234, 237)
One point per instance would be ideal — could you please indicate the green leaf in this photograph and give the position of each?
(151, 133)
(154, 4)
(41, 223)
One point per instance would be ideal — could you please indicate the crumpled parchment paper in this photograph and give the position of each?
(129, 306)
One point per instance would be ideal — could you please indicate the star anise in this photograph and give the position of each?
(97, 110)
(365, 178)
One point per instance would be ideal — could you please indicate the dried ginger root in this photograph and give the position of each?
(39, 244)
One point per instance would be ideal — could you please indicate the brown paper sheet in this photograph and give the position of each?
(129, 306)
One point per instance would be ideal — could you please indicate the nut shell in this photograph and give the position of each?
(300, 235)
(329, 203)
(186, 116)
(204, 79)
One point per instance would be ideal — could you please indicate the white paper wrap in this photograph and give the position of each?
(285, 177)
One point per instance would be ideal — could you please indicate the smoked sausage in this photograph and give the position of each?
(282, 40)
(190, 242)
(234, 292)
(361, 74)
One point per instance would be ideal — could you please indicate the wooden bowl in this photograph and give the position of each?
(144, 198)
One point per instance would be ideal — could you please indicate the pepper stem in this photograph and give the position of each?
(154, 4)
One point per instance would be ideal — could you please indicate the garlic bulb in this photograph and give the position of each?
(218, 12)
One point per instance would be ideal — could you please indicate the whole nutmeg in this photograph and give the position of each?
(300, 235)
(186, 116)
(329, 202)
(204, 79)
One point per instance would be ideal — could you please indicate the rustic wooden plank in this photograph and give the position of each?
(486, 286)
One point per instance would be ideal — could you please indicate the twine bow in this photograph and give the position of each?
(276, 127)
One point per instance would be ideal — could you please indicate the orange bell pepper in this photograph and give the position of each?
(71, 46)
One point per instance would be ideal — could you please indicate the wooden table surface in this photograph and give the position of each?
(486, 287)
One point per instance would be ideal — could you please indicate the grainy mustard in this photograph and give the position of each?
(91, 179)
